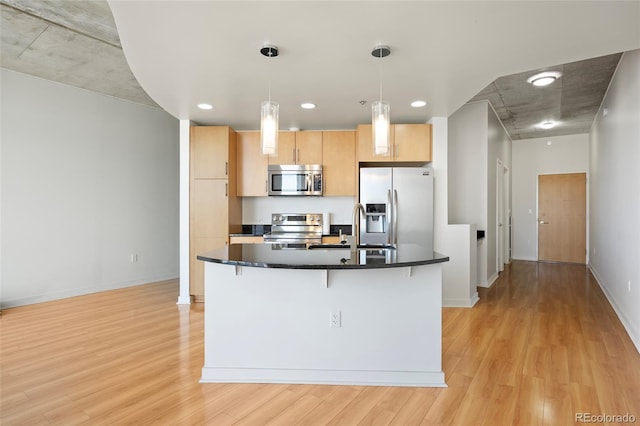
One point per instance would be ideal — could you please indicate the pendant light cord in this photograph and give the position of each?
(380, 71)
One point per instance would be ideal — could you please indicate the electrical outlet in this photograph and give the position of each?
(134, 257)
(334, 319)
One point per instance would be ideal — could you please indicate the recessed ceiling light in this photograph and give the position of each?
(418, 104)
(308, 105)
(547, 124)
(205, 106)
(544, 78)
(548, 143)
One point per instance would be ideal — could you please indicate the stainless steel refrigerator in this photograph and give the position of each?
(398, 202)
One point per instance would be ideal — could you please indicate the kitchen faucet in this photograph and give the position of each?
(355, 225)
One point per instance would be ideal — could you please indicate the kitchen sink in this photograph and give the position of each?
(346, 246)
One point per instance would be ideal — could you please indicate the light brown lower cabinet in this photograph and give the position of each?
(249, 239)
(196, 267)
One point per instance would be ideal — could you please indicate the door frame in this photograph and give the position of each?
(503, 215)
(499, 217)
(506, 205)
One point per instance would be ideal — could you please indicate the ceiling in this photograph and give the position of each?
(446, 53)
(71, 42)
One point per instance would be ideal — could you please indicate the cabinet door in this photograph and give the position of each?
(412, 142)
(196, 269)
(286, 149)
(252, 166)
(365, 145)
(209, 204)
(339, 163)
(309, 147)
(210, 151)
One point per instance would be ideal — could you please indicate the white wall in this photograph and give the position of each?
(614, 196)
(87, 180)
(477, 140)
(456, 241)
(257, 210)
(533, 157)
(498, 148)
(467, 160)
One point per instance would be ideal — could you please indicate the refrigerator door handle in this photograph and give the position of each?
(395, 216)
(389, 218)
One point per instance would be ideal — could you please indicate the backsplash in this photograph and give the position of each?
(257, 210)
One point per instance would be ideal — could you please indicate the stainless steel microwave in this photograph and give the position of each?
(294, 179)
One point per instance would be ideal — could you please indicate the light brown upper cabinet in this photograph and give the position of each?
(210, 151)
(409, 142)
(412, 142)
(252, 166)
(215, 209)
(298, 148)
(339, 163)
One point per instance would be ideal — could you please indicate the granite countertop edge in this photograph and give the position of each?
(437, 258)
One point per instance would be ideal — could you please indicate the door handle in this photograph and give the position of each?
(542, 222)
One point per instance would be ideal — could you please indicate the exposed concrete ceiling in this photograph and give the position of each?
(77, 43)
(71, 42)
(572, 100)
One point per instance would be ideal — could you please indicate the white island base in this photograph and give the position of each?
(274, 325)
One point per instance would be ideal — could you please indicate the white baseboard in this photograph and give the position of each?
(529, 259)
(461, 303)
(323, 377)
(634, 334)
(184, 300)
(489, 282)
(30, 300)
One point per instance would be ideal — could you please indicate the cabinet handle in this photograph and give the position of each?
(297, 155)
(293, 155)
(226, 189)
(226, 168)
(266, 186)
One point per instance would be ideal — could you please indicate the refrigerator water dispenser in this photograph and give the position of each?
(376, 218)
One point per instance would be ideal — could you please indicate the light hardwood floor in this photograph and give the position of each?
(541, 345)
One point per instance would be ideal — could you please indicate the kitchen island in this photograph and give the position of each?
(371, 316)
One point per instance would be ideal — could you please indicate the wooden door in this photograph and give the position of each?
(252, 166)
(365, 145)
(308, 148)
(286, 149)
(339, 163)
(210, 151)
(412, 142)
(210, 201)
(562, 220)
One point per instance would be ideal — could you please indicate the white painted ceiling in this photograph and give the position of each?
(447, 53)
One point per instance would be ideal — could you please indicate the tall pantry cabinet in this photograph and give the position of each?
(215, 209)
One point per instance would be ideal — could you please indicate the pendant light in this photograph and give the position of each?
(269, 113)
(380, 112)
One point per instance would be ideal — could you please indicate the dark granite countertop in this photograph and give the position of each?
(269, 256)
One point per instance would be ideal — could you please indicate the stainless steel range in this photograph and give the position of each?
(294, 230)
